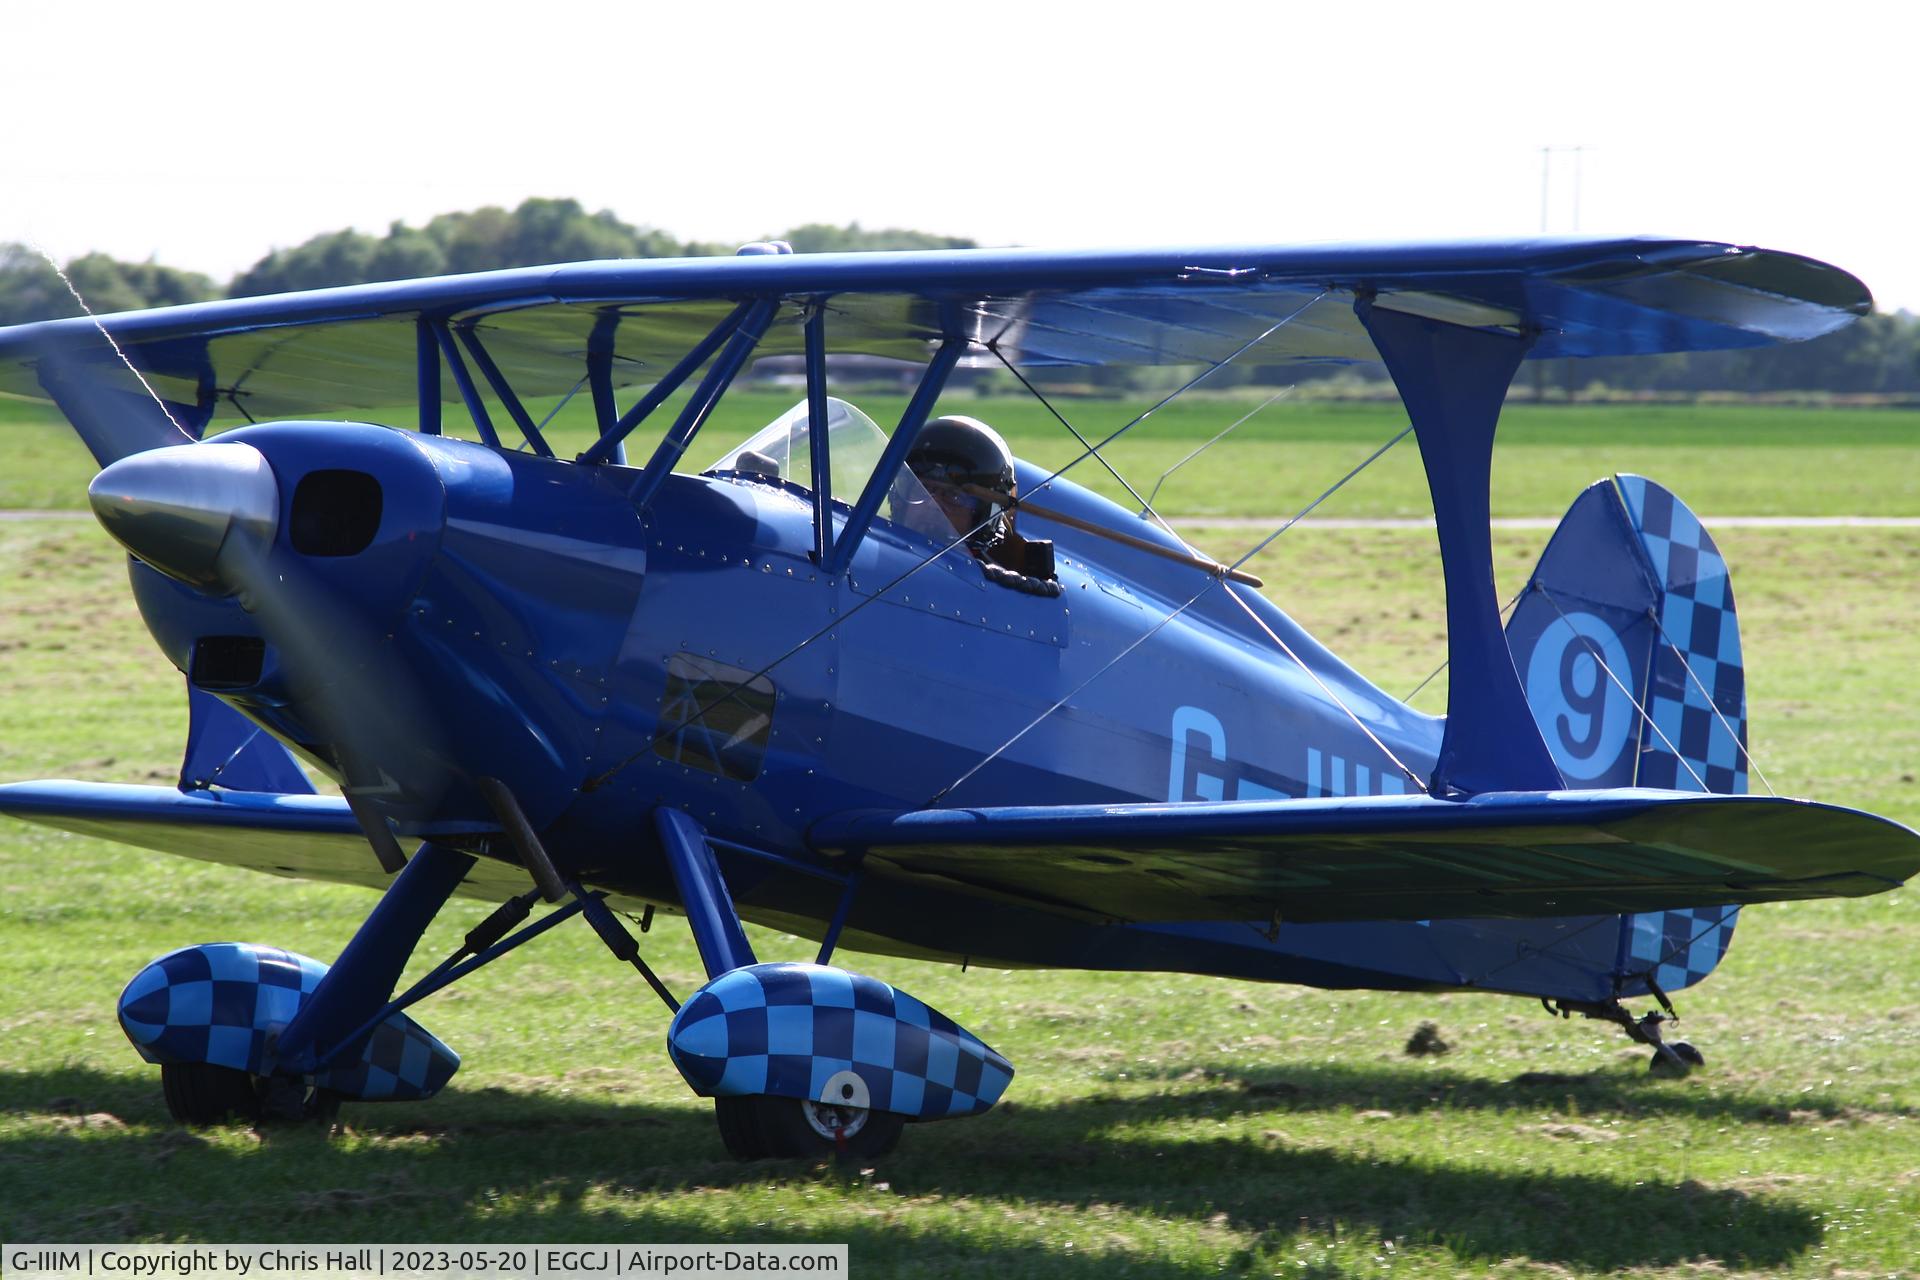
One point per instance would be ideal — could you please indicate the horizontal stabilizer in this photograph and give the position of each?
(1499, 854)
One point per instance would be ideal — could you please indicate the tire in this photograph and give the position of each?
(762, 1127)
(198, 1094)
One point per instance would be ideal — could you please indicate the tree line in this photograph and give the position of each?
(539, 231)
(1879, 355)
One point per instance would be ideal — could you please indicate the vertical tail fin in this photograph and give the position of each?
(1628, 645)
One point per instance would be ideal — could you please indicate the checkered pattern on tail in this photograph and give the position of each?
(1678, 947)
(790, 1030)
(1697, 618)
(226, 1003)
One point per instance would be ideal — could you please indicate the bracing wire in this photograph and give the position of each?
(1433, 675)
(1706, 693)
(1237, 424)
(554, 412)
(131, 368)
(1089, 451)
(1189, 603)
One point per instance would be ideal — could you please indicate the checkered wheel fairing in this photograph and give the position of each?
(226, 1003)
(823, 1034)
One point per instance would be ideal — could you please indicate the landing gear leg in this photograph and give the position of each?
(1675, 1060)
(763, 1126)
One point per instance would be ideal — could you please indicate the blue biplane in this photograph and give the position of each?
(772, 692)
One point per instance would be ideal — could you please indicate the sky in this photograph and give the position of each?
(206, 134)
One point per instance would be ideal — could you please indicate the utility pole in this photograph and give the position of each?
(1546, 191)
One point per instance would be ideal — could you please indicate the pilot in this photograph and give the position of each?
(951, 455)
(959, 462)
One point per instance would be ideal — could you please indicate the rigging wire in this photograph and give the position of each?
(552, 413)
(1147, 509)
(65, 280)
(661, 733)
(1687, 666)
(1433, 675)
(1238, 422)
(1190, 601)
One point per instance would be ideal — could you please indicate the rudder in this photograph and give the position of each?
(1628, 644)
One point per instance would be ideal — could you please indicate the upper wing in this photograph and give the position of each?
(331, 350)
(1513, 854)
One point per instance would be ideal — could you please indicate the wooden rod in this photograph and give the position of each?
(1213, 567)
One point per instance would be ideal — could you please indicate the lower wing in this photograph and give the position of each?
(1499, 854)
(306, 837)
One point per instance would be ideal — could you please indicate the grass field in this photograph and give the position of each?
(1160, 1125)
(1724, 459)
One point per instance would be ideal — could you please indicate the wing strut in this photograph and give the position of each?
(1453, 380)
(719, 377)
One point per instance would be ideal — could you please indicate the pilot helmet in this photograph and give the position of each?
(956, 451)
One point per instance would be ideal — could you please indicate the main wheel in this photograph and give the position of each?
(762, 1127)
(1664, 1066)
(199, 1094)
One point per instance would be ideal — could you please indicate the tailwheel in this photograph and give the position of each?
(1665, 1065)
(762, 1127)
(199, 1094)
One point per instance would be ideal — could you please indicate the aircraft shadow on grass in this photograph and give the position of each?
(454, 1172)
(1604, 1092)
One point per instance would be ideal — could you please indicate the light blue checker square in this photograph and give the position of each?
(943, 1060)
(1705, 951)
(1667, 717)
(706, 1038)
(414, 1060)
(993, 1082)
(1646, 941)
(910, 1010)
(790, 1029)
(832, 988)
(190, 1004)
(1635, 490)
(909, 1092)
(1657, 553)
(229, 1047)
(274, 1007)
(1676, 619)
(232, 964)
(1722, 751)
(873, 1035)
(742, 992)
(1685, 527)
(744, 1075)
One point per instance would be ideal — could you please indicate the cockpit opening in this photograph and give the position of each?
(957, 483)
